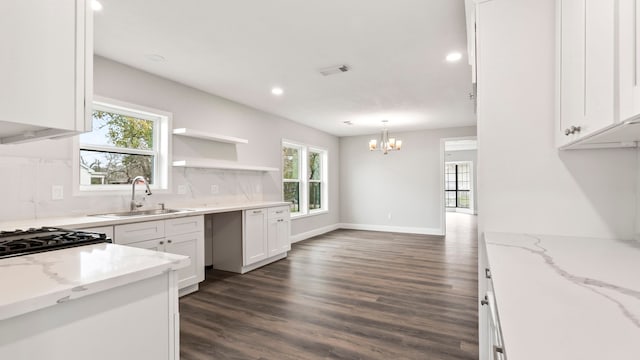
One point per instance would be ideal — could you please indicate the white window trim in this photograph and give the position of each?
(162, 137)
(304, 181)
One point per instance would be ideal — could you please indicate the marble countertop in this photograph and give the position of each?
(33, 282)
(78, 222)
(566, 297)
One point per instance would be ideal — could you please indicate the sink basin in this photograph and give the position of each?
(141, 213)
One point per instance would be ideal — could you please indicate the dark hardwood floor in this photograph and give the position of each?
(344, 295)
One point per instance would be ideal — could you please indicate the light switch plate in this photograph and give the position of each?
(214, 189)
(57, 192)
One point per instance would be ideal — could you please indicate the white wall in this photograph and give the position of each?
(29, 170)
(525, 184)
(467, 155)
(406, 183)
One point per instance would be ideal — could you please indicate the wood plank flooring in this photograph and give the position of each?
(344, 295)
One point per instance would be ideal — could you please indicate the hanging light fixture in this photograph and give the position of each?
(386, 143)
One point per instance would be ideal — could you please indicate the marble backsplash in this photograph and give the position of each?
(26, 185)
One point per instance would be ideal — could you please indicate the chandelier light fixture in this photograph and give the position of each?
(386, 143)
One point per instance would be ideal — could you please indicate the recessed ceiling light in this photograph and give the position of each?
(95, 5)
(155, 57)
(277, 91)
(454, 56)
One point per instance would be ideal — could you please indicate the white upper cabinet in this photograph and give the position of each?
(587, 68)
(629, 58)
(46, 68)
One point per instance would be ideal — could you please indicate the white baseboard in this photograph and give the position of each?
(398, 229)
(314, 232)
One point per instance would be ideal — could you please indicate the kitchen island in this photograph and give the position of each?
(101, 301)
(564, 297)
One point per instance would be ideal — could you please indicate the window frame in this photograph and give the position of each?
(470, 191)
(303, 174)
(161, 152)
(301, 202)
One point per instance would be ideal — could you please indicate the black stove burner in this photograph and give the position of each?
(23, 242)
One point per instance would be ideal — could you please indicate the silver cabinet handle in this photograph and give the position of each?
(487, 273)
(279, 212)
(257, 211)
(484, 301)
(169, 241)
(572, 130)
(161, 242)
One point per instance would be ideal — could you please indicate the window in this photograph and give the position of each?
(126, 141)
(457, 185)
(304, 178)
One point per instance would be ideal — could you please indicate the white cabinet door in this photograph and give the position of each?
(254, 239)
(46, 66)
(599, 65)
(190, 245)
(283, 242)
(587, 71)
(629, 58)
(278, 236)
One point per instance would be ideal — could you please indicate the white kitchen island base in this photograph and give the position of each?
(130, 315)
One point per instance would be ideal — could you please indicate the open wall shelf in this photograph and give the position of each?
(209, 136)
(216, 164)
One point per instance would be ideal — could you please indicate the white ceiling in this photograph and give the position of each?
(240, 49)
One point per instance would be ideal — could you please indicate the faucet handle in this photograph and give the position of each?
(161, 206)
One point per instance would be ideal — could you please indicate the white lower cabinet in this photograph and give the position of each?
(182, 236)
(266, 234)
(278, 231)
(254, 240)
(491, 345)
(187, 245)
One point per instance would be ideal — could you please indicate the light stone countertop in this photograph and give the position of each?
(78, 222)
(36, 281)
(566, 297)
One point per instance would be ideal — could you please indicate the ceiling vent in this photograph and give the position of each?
(331, 70)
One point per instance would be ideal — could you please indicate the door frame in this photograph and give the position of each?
(443, 210)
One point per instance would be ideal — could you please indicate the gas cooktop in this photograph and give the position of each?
(23, 242)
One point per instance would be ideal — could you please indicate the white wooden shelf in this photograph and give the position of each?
(216, 164)
(209, 136)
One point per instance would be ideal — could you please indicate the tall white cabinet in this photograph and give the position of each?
(46, 68)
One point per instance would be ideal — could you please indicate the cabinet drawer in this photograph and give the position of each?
(184, 225)
(125, 234)
(279, 211)
(107, 230)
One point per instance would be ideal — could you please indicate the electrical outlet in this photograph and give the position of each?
(57, 192)
(214, 189)
(182, 189)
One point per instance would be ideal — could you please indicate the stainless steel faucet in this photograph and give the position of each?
(135, 204)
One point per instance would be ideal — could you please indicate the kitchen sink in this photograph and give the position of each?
(141, 213)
